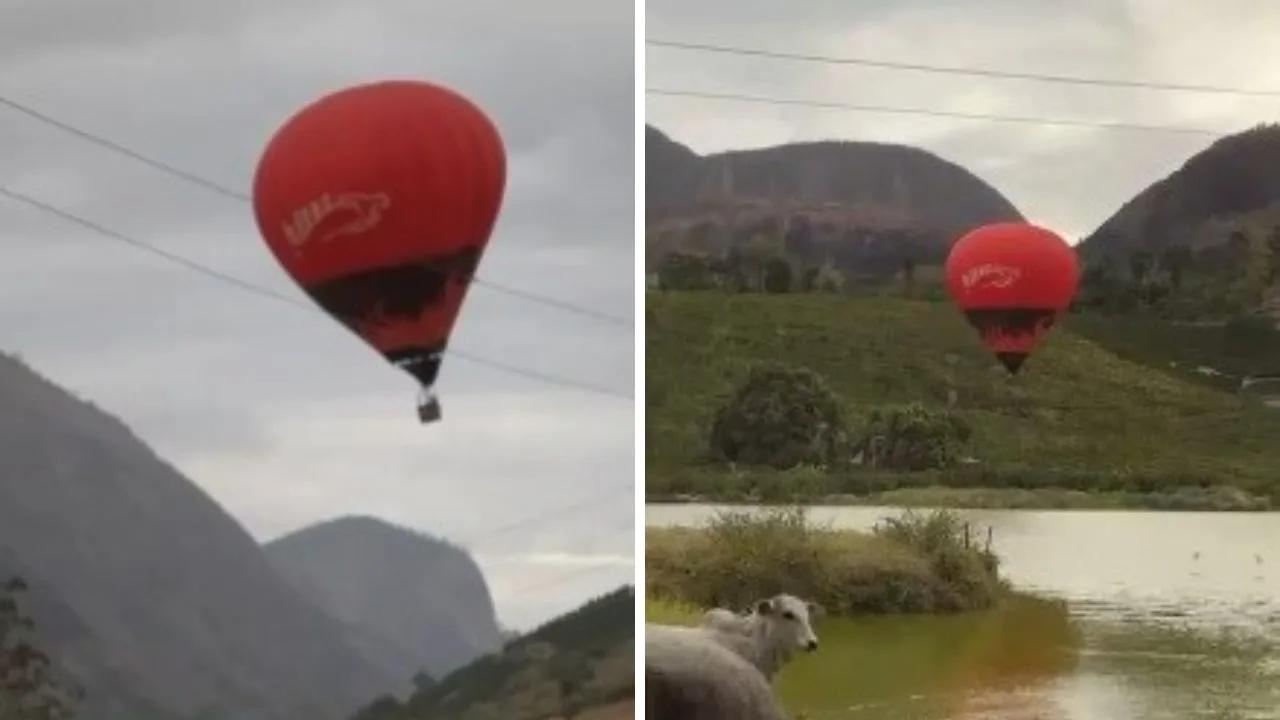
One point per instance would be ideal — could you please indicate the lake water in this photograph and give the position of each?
(1167, 615)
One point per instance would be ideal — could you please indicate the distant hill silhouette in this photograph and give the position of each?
(419, 601)
(863, 206)
(1235, 176)
(581, 663)
(160, 606)
(1201, 242)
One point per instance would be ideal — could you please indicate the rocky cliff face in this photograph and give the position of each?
(145, 590)
(417, 601)
(860, 204)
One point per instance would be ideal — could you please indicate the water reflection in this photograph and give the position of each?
(1166, 616)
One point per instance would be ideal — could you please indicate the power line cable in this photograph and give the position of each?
(237, 195)
(269, 294)
(953, 70)
(927, 112)
(149, 248)
(577, 573)
(535, 520)
(539, 518)
(565, 578)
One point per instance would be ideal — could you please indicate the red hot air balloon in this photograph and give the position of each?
(1012, 280)
(379, 200)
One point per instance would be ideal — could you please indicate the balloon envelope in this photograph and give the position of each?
(379, 200)
(1012, 280)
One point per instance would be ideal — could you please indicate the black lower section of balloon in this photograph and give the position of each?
(401, 294)
(393, 294)
(423, 363)
(1012, 321)
(1012, 361)
(1015, 326)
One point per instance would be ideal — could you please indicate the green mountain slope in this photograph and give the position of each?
(1080, 416)
(581, 663)
(1201, 243)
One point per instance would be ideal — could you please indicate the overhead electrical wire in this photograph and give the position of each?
(927, 112)
(245, 286)
(578, 573)
(538, 518)
(934, 112)
(934, 69)
(267, 293)
(233, 194)
(527, 522)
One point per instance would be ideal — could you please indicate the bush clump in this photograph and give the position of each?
(913, 438)
(911, 563)
(780, 417)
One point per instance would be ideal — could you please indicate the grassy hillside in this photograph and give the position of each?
(579, 665)
(1079, 417)
(1242, 346)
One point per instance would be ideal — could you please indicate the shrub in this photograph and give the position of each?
(778, 276)
(909, 564)
(914, 437)
(779, 417)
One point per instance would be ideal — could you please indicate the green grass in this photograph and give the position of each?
(1051, 498)
(1079, 417)
(1241, 347)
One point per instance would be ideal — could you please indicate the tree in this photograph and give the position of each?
(1140, 264)
(809, 278)
(1238, 243)
(422, 681)
(799, 240)
(755, 256)
(28, 689)
(779, 416)
(1273, 245)
(383, 708)
(1175, 260)
(684, 271)
(908, 276)
(778, 276)
(913, 438)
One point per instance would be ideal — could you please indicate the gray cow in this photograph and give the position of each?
(688, 675)
(769, 634)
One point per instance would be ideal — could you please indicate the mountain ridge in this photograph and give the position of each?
(864, 207)
(578, 665)
(419, 597)
(1201, 243)
(149, 595)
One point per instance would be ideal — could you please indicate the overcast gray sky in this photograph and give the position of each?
(280, 414)
(1069, 179)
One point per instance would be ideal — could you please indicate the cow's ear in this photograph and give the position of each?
(764, 607)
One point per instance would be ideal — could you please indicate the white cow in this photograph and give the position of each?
(769, 634)
(723, 619)
(688, 675)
